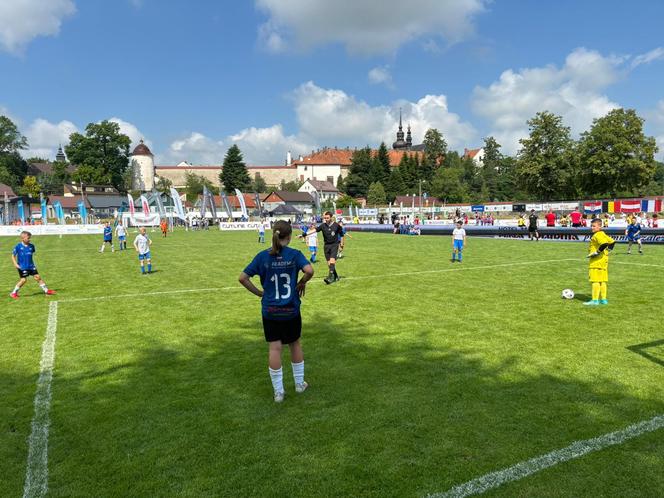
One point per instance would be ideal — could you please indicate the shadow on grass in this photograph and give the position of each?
(642, 350)
(383, 417)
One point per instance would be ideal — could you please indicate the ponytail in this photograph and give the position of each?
(280, 231)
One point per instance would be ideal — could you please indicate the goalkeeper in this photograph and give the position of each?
(598, 253)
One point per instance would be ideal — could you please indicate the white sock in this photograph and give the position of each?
(298, 372)
(16, 289)
(43, 286)
(101, 249)
(277, 378)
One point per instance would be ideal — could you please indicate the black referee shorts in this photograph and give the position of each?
(331, 251)
(286, 331)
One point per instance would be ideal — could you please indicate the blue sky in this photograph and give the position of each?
(194, 77)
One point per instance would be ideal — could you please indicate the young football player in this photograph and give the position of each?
(633, 232)
(532, 226)
(261, 233)
(310, 236)
(278, 269)
(598, 267)
(121, 232)
(108, 238)
(23, 262)
(142, 245)
(458, 241)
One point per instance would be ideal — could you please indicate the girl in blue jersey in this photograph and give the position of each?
(278, 270)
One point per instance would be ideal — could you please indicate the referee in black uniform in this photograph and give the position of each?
(331, 230)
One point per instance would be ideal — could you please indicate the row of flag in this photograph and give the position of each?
(625, 206)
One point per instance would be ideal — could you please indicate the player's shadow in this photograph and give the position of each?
(187, 403)
(582, 297)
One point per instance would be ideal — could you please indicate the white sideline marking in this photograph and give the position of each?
(361, 277)
(571, 452)
(142, 294)
(36, 475)
(637, 264)
(459, 268)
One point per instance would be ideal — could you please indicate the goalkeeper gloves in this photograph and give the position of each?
(592, 255)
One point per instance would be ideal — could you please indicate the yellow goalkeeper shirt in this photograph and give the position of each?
(601, 261)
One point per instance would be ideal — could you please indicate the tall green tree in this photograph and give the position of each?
(360, 173)
(545, 162)
(395, 185)
(341, 184)
(11, 140)
(409, 173)
(615, 155)
(292, 186)
(376, 194)
(195, 185)
(258, 184)
(448, 186)
(102, 153)
(435, 147)
(383, 160)
(234, 173)
(163, 185)
(490, 169)
(30, 186)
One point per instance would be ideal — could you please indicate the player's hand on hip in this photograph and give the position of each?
(301, 287)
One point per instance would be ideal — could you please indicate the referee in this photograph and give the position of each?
(331, 230)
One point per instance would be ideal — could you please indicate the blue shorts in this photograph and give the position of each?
(122, 238)
(144, 256)
(313, 248)
(633, 238)
(108, 240)
(458, 245)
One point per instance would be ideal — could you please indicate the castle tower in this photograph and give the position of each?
(141, 162)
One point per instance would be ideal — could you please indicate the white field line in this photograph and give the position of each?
(571, 452)
(637, 264)
(36, 475)
(361, 277)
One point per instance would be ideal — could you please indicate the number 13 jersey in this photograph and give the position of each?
(278, 276)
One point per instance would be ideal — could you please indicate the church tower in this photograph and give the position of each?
(60, 156)
(141, 161)
(400, 143)
(409, 138)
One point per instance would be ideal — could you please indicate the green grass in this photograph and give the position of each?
(418, 382)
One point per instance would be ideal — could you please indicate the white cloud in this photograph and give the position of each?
(332, 117)
(268, 146)
(365, 27)
(381, 75)
(45, 137)
(651, 56)
(573, 91)
(131, 131)
(655, 125)
(195, 149)
(23, 20)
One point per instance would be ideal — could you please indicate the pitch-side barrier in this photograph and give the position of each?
(565, 234)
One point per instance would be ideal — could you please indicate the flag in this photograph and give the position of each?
(651, 205)
(160, 204)
(633, 206)
(132, 209)
(257, 200)
(243, 205)
(213, 208)
(226, 204)
(82, 211)
(204, 200)
(145, 205)
(592, 207)
(59, 213)
(21, 212)
(44, 213)
(177, 204)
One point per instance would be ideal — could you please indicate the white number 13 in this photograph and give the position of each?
(285, 284)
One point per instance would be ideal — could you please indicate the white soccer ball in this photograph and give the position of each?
(568, 294)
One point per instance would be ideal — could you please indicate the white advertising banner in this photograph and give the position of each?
(15, 230)
(249, 225)
(368, 212)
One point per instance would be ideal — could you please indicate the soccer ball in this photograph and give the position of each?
(568, 294)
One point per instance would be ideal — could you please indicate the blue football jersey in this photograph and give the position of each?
(108, 233)
(633, 229)
(23, 255)
(278, 275)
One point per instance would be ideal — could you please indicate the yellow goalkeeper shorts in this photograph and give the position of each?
(598, 275)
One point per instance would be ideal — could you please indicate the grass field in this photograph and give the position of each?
(423, 374)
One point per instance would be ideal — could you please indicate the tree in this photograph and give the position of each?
(383, 160)
(408, 172)
(615, 156)
(545, 166)
(343, 201)
(195, 185)
(103, 153)
(341, 186)
(292, 186)
(12, 169)
(448, 186)
(36, 159)
(360, 172)
(30, 186)
(258, 185)
(11, 140)
(435, 147)
(490, 169)
(376, 194)
(234, 173)
(163, 185)
(395, 185)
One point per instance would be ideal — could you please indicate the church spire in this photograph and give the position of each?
(400, 143)
(409, 137)
(60, 156)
